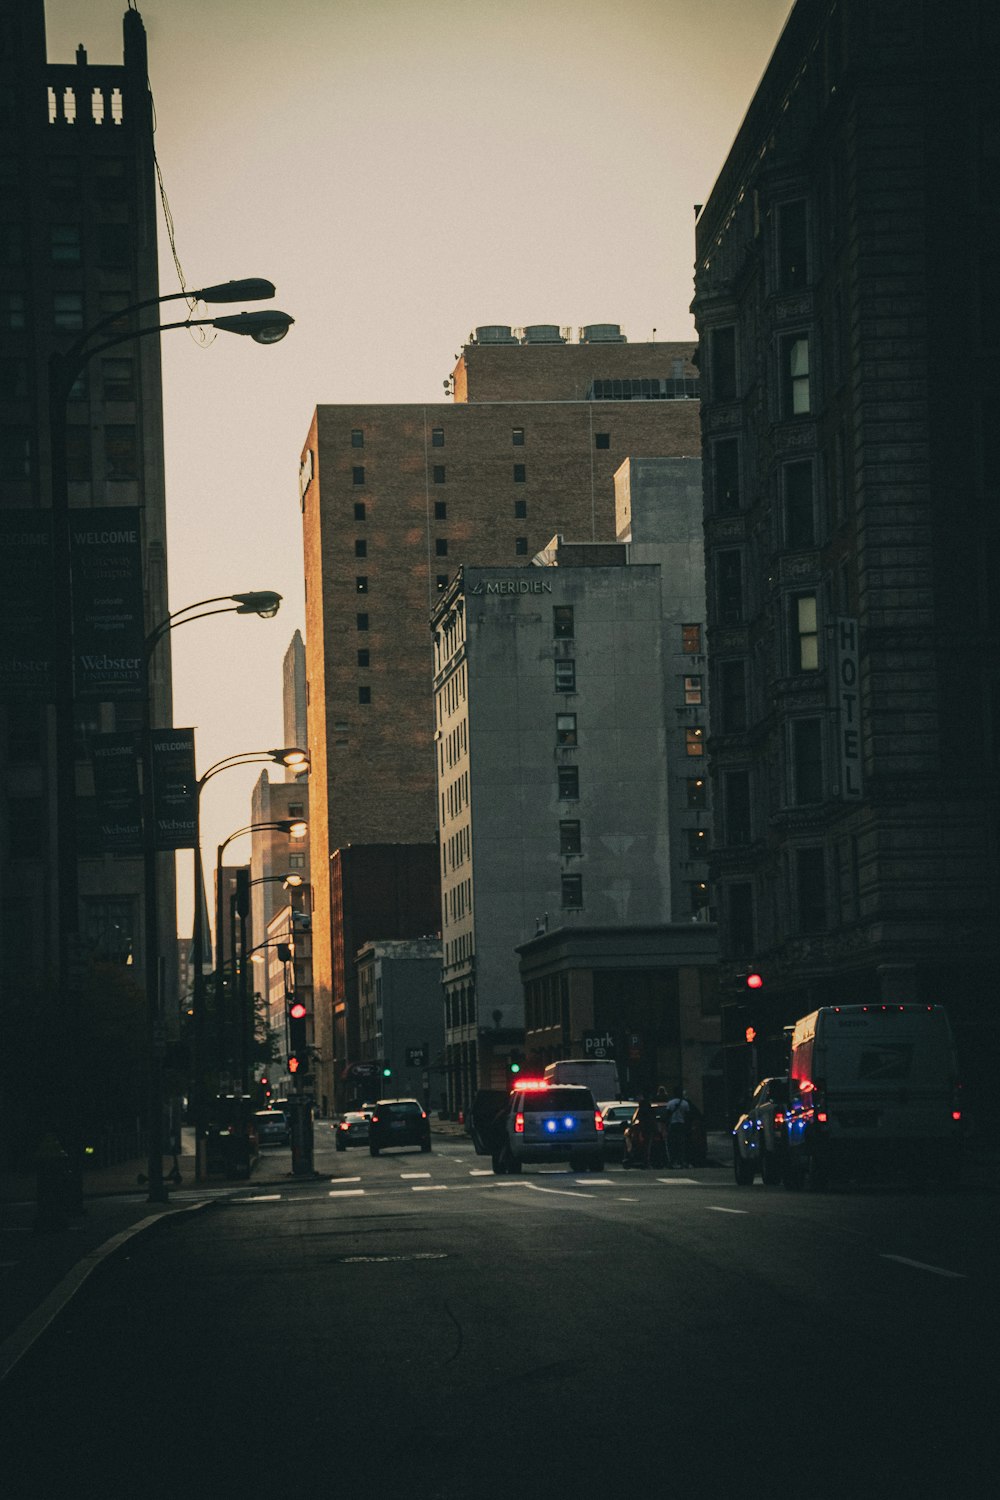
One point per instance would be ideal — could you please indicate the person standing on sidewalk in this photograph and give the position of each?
(678, 1112)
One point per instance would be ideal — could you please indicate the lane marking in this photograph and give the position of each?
(559, 1192)
(261, 1198)
(380, 1260)
(594, 1182)
(921, 1265)
(430, 1187)
(682, 1182)
(628, 1200)
(345, 1179)
(482, 1172)
(406, 1176)
(714, 1210)
(348, 1193)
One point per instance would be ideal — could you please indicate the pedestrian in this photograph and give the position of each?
(647, 1123)
(678, 1113)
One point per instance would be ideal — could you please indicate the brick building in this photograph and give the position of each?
(395, 498)
(846, 306)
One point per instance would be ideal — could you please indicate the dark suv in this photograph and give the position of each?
(398, 1122)
(760, 1138)
(550, 1122)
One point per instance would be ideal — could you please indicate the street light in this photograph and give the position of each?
(63, 370)
(264, 603)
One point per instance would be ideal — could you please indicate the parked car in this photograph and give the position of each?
(486, 1119)
(760, 1135)
(398, 1122)
(352, 1129)
(271, 1126)
(617, 1114)
(551, 1122)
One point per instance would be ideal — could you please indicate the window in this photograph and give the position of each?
(67, 310)
(118, 379)
(520, 510)
(810, 889)
(722, 346)
(360, 547)
(698, 897)
(572, 890)
(569, 836)
(364, 657)
(64, 244)
(602, 440)
(726, 475)
(361, 584)
(362, 621)
(691, 639)
(520, 474)
(11, 245)
(438, 473)
(121, 457)
(692, 690)
(15, 453)
(517, 437)
(565, 676)
(733, 689)
(697, 792)
(807, 761)
(364, 695)
(729, 576)
(800, 529)
(113, 248)
(359, 511)
(296, 861)
(64, 178)
(739, 905)
(805, 634)
(78, 468)
(358, 474)
(697, 843)
(796, 400)
(441, 546)
(565, 729)
(521, 546)
(11, 310)
(13, 379)
(736, 796)
(562, 622)
(440, 510)
(694, 741)
(357, 438)
(442, 581)
(569, 783)
(793, 268)
(437, 437)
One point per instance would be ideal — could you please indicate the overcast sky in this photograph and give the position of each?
(402, 170)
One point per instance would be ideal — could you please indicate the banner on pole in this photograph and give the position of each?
(108, 628)
(175, 788)
(116, 785)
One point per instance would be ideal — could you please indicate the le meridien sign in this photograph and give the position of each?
(511, 586)
(848, 706)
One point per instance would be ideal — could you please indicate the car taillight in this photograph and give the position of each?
(374, 1119)
(423, 1114)
(821, 1117)
(598, 1120)
(956, 1114)
(519, 1123)
(779, 1118)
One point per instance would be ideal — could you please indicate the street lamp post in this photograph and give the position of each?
(64, 368)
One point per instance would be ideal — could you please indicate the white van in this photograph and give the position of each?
(598, 1074)
(873, 1086)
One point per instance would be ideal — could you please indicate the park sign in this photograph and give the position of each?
(108, 627)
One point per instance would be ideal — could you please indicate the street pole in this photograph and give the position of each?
(156, 1190)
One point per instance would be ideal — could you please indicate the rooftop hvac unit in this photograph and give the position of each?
(542, 333)
(492, 333)
(602, 333)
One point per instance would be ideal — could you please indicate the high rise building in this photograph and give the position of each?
(396, 498)
(846, 306)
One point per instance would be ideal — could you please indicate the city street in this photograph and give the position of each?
(414, 1325)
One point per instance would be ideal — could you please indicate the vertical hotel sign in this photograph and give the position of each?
(108, 631)
(848, 709)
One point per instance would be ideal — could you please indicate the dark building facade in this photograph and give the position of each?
(846, 306)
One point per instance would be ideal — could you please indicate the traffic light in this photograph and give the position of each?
(294, 1063)
(296, 1025)
(515, 1063)
(386, 1070)
(750, 1032)
(755, 981)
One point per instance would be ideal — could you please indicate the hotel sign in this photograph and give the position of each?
(848, 709)
(509, 586)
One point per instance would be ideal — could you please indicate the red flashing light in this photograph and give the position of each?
(530, 1085)
(754, 982)
(519, 1123)
(297, 1010)
(956, 1114)
(821, 1116)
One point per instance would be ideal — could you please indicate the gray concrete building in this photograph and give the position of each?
(402, 1027)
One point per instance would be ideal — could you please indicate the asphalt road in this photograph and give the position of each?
(417, 1327)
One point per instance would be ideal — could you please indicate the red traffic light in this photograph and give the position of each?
(293, 1064)
(754, 982)
(751, 1033)
(297, 1010)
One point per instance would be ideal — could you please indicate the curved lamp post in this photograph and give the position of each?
(64, 368)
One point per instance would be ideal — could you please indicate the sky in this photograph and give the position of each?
(402, 171)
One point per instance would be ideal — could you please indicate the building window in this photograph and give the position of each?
(521, 546)
(565, 729)
(569, 836)
(796, 400)
(739, 912)
(520, 510)
(67, 310)
(13, 379)
(64, 245)
(364, 657)
(118, 379)
(360, 547)
(113, 245)
(121, 456)
(793, 265)
(698, 897)
(442, 581)
(800, 525)
(362, 621)
(78, 467)
(697, 791)
(726, 475)
(440, 510)
(697, 842)
(437, 473)
(357, 438)
(364, 695)
(602, 440)
(694, 740)
(692, 690)
(15, 453)
(562, 622)
(733, 689)
(517, 437)
(441, 546)
(565, 676)
(722, 345)
(736, 797)
(805, 634)
(11, 310)
(810, 889)
(295, 861)
(807, 761)
(437, 437)
(520, 474)
(358, 474)
(360, 513)
(361, 584)
(12, 245)
(572, 890)
(569, 783)
(691, 639)
(729, 577)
